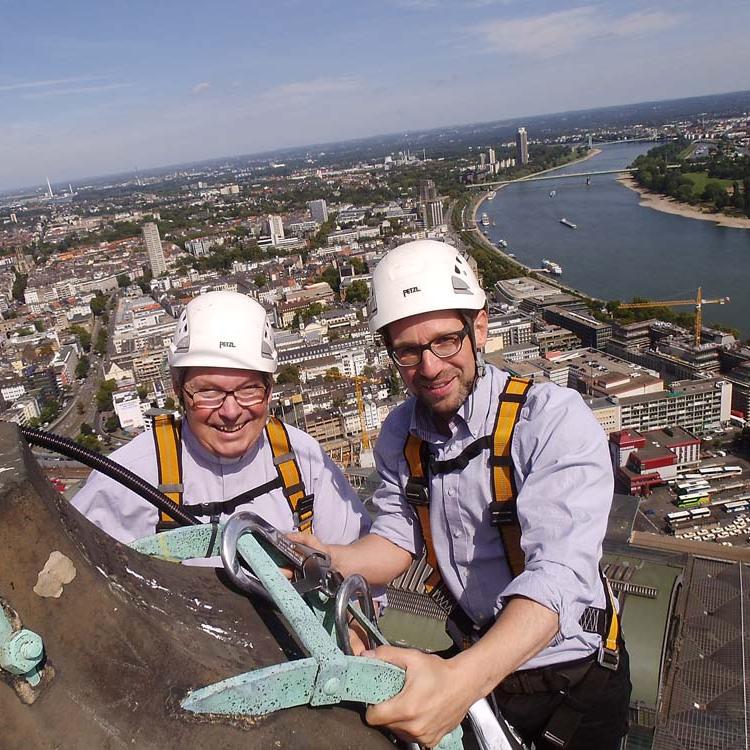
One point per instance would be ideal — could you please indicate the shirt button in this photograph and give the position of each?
(450, 491)
(456, 534)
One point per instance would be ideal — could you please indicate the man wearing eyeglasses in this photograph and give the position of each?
(471, 452)
(222, 361)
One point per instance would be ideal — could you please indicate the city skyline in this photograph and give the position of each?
(111, 90)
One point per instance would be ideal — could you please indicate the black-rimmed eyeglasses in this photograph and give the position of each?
(249, 395)
(445, 346)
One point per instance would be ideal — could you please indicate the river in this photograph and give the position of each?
(620, 249)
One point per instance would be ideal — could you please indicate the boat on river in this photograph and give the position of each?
(484, 220)
(502, 244)
(552, 267)
(568, 223)
(491, 196)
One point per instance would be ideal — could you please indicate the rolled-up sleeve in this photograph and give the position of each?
(566, 484)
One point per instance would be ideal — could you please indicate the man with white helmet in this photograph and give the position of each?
(507, 487)
(226, 454)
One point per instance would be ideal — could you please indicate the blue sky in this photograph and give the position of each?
(90, 88)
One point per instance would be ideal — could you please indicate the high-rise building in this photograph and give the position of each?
(482, 159)
(427, 191)
(154, 249)
(432, 213)
(318, 210)
(522, 147)
(275, 228)
(430, 204)
(491, 154)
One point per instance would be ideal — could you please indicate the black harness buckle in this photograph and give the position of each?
(608, 658)
(503, 514)
(417, 493)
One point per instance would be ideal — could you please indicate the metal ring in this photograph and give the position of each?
(239, 524)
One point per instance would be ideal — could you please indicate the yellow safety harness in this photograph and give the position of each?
(168, 445)
(503, 514)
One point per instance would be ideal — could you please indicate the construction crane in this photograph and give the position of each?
(358, 380)
(698, 302)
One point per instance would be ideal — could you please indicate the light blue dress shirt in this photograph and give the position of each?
(565, 484)
(339, 516)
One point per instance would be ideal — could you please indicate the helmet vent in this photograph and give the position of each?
(460, 286)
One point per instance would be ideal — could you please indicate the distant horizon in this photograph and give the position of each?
(141, 171)
(93, 88)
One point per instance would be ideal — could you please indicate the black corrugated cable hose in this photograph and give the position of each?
(112, 469)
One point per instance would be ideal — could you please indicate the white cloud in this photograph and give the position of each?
(50, 83)
(564, 31)
(315, 87)
(76, 90)
(199, 88)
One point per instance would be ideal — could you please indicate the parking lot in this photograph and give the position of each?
(720, 526)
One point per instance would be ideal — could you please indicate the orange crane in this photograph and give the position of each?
(358, 380)
(699, 301)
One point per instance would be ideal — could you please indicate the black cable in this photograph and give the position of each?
(107, 466)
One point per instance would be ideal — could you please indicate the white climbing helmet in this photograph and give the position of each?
(223, 329)
(422, 276)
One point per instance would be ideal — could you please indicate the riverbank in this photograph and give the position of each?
(523, 268)
(670, 206)
(478, 202)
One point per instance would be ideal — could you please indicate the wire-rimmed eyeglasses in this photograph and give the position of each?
(445, 346)
(213, 398)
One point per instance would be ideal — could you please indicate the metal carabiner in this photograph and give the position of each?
(239, 524)
(352, 586)
(312, 568)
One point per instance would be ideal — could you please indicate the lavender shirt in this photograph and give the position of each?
(565, 485)
(339, 516)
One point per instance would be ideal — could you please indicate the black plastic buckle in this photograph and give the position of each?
(305, 508)
(608, 658)
(417, 493)
(502, 514)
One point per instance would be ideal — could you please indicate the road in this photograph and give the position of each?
(69, 422)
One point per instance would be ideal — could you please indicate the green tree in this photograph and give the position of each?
(104, 395)
(111, 423)
(142, 392)
(82, 368)
(19, 286)
(101, 342)
(49, 411)
(123, 280)
(98, 303)
(310, 312)
(260, 280)
(357, 292)
(145, 281)
(39, 325)
(331, 275)
(83, 336)
(288, 374)
(169, 403)
(332, 374)
(86, 429)
(90, 442)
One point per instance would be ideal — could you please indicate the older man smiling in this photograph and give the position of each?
(226, 454)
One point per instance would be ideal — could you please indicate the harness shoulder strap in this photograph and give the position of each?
(503, 511)
(416, 453)
(168, 446)
(292, 484)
